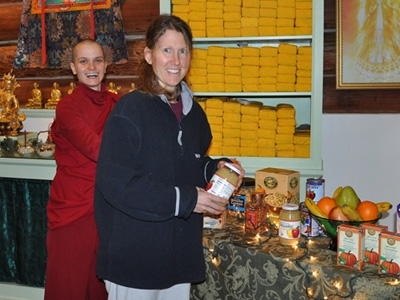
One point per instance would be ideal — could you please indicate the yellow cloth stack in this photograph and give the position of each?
(303, 23)
(233, 69)
(214, 112)
(215, 68)
(197, 18)
(250, 69)
(214, 19)
(266, 132)
(268, 69)
(267, 20)
(197, 76)
(250, 17)
(287, 62)
(286, 124)
(231, 128)
(302, 144)
(180, 8)
(304, 65)
(249, 127)
(286, 14)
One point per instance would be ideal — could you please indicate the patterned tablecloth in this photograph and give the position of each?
(241, 265)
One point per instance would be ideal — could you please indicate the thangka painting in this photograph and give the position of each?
(67, 5)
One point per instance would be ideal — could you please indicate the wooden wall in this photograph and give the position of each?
(137, 14)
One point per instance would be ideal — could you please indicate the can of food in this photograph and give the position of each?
(315, 188)
(308, 226)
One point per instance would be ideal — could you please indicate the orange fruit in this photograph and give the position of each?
(368, 210)
(326, 204)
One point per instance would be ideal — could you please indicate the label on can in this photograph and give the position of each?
(315, 188)
(308, 226)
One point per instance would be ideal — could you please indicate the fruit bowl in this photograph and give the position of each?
(330, 227)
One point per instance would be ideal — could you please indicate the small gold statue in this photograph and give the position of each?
(10, 119)
(36, 101)
(72, 86)
(55, 96)
(112, 88)
(133, 87)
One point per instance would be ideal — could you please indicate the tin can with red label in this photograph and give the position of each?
(308, 226)
(315, 188)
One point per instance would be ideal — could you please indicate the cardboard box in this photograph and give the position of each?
(351, 244)
(279, 185)
(372, 232)
(389, 253)
(214, 222)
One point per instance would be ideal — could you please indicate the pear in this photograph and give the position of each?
(347, 196)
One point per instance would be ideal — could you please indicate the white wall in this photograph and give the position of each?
(363, 150)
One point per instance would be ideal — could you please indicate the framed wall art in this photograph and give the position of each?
(67, 5)
(368, 44)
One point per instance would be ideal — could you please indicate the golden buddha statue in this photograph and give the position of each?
(36, 101)
(133, 87)
(112, 88)
(72, 86)
(10, 119)
(55, 97)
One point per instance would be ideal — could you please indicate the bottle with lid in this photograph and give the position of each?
(224, 181)
(256, 212)
(289, 224)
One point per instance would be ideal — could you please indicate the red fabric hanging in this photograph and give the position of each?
(44, 55)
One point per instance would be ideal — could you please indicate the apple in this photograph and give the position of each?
(295, 232)
(347, 196)
(337, 214)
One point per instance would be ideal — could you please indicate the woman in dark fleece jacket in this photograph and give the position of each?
(152, 170)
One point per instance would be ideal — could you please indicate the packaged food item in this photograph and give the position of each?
(389, 253)
(351, 245)
(308, 226)
(289, 224)
(237, 203)
(222, 184)
(256, 213)
(372, 232)
(280, 185)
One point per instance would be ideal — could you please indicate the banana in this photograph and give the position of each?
(384, 206)
(337, 192)
(351, 213)
(314, 209)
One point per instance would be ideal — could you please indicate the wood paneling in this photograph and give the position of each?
(137, 15)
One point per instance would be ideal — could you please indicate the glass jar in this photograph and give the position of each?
(289, 224)
(256, 213)
(224, 181)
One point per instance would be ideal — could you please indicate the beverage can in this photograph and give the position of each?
(315, 188)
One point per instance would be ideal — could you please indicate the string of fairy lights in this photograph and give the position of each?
(272, 231)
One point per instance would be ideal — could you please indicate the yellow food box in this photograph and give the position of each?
(280, 185)
(372, 232)
(350, 246)
(389, 250)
